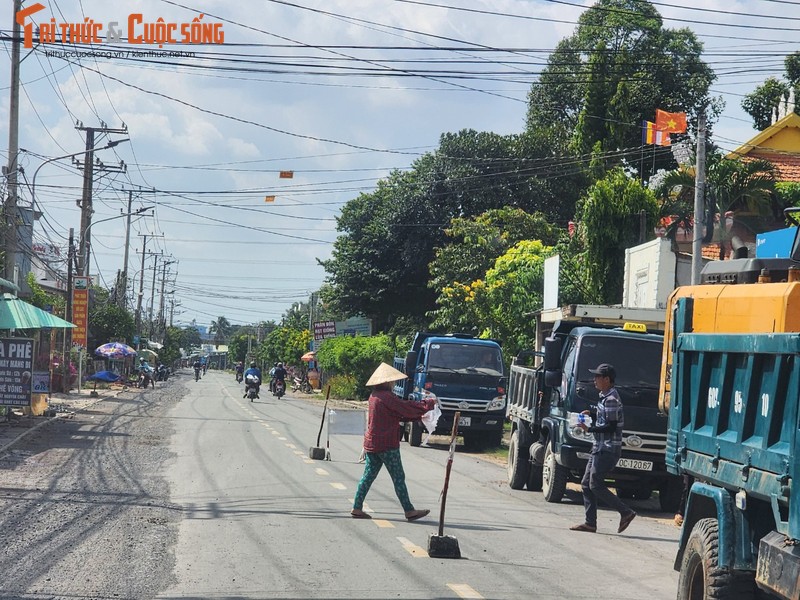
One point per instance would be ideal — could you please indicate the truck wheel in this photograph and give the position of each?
(701, 578)
(670, 495)
(518, 462)
(415, 437)
(535, 478)
(554, 477)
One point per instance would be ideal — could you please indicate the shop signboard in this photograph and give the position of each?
(16, 371)
(324, 329)
(80, 311)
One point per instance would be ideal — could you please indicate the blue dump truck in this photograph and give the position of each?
(463, 374)
(732, 359)
(546, 451)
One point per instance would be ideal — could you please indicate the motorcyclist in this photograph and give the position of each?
(239, 371)
(279, 375)
(272, 377)
(256, 372)
(146, 372)
(198, 366)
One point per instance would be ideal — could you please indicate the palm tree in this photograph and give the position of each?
(220, 328)
(732, 186)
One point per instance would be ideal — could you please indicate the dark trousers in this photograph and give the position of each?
(594, 486)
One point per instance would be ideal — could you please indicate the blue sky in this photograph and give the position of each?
(317, 88)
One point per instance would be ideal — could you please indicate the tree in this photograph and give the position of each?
(613, 72)
(476, 243)
(379, 265)
(765, 99)
(608, 223)
(284, 344)
(220, 328)
(42, 299)
(107, 321)
(355, 356)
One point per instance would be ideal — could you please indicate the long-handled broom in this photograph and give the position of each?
(445, 546)
(316, 452)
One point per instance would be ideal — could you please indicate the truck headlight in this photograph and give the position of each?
(497, 403)
(580, 434)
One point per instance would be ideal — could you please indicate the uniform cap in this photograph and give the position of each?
(385, 374)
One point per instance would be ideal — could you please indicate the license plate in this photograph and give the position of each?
(464, 421)
(636, 465)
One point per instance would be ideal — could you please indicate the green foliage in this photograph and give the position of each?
(788, 193)
(297, 316)
(344, 387)
(107, 321)
(284, 344)
(238, 344)
(41, 299)
(221, 329)
(762, 102)
(608, 223)
(478, 242)
(190, 338)
(355, 356)
(173, 342)
(379, 264)
(633, 67)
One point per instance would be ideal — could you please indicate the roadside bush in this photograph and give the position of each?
(355, 356)
(344, 387)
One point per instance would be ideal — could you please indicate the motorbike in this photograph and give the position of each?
(251, 387)
(162, 373)
(196, 374)
(280, 388)
(145, 379)
(239, 377)
(302, 385)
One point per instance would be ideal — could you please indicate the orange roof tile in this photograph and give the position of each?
(788, 165)
(711, 251)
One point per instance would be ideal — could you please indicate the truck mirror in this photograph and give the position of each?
(795, 254)
(411, 362)
(552, 354)
(552, 378)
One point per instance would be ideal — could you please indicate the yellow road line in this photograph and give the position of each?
(412, 548)
(383, 523)
(464, 591)
(299, 453)
(283, 439)
(321, 471)
(308, 461)
(275, 432)
(292, 446)
(338, 486)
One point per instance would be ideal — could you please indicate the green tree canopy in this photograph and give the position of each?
(107, 321)
(762, 102)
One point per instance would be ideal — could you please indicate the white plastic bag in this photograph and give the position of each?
(430, 419)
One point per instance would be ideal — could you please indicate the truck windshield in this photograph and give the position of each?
(466, 358)
(637, 362)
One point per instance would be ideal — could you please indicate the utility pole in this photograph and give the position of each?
(122, 299)
(162, 307)
(68, 315)
(88, 180)
(141, 290)
(153, 295)
(10, 221)
(699, 199)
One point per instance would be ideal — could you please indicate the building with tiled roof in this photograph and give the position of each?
(779, 144)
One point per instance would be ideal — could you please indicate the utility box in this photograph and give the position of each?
(652, 271)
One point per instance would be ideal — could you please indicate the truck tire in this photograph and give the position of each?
(700, 577)
(518, 462)
(535, 478)
(415, 437)
(554, 477)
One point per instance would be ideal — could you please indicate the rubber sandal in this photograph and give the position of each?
(359, 514)
(584, 527)
(413, 515)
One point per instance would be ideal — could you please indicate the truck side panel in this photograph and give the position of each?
(735, 425)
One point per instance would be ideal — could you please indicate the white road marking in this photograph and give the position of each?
(321, 471)
(338, 486)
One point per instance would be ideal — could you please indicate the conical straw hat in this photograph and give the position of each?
(384, 374)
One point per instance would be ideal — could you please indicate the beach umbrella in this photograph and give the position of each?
(148, 354)
(309, 356)
(115, 350)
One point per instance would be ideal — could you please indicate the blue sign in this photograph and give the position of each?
(135, 340)
(775, 244)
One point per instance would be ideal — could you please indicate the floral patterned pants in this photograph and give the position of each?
(374, 462)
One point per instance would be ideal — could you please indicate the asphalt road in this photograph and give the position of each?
(191, 491)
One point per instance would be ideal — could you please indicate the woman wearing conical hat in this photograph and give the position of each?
(381, 441)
